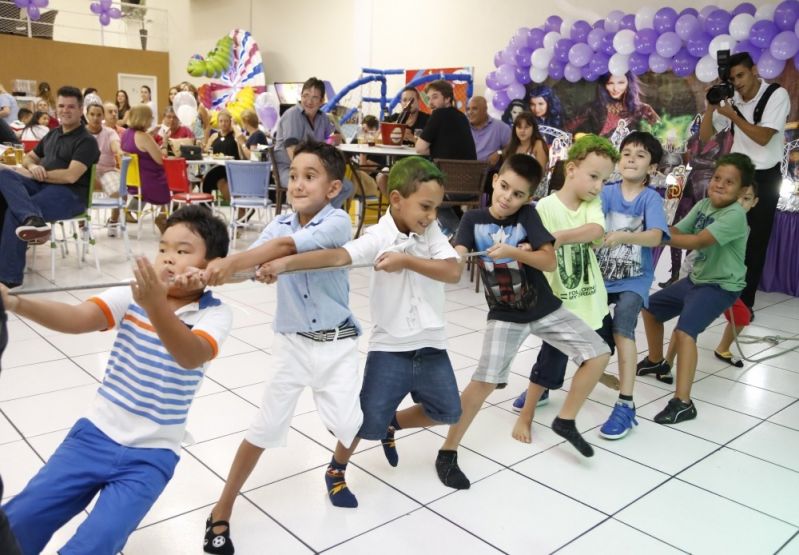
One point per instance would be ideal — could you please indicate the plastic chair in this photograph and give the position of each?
(249, 189)
(105, 202)
(29, 145)
(177, 179)
(133, 182)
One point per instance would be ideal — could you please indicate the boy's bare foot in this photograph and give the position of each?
(522, 430)
(610, 381)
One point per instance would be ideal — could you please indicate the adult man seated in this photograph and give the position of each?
(52, 184)
(447, 134)
(306, 121)
(410, 114)
(171, 133)
(490, 135)
(111, 118)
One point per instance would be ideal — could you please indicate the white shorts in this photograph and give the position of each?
(109, 181)
(330, 369)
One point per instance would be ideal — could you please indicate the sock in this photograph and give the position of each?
(390, 445)
(626, 400)
(448, 471)
(568, 431)
(340, 495)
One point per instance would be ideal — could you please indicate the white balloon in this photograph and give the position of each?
(186, 114)
(766, 11)
(721, 42)
(566, 27)
(184, 98)
(541, 57)
(619, 64)
(550, 39)
(539, 74)
(624, 42)
(740, 25)
(645, 18)
(706, 69)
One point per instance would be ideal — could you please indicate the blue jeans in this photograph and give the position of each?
(129, 480)
(627, 307)
(20, 198)
(426, 374)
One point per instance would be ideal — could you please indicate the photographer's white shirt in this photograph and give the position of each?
(774, 117)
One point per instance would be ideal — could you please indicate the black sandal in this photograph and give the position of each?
(219, 544)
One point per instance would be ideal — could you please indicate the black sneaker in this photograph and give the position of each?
(668, 282)
(676, 411)
(34, 230)
(219, 544)
(661, 370)
(449, 472)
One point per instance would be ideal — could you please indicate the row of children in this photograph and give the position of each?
(170, 326)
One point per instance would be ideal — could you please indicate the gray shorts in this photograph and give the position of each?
(561, 329)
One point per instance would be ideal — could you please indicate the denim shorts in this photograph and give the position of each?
(627, 307)
(389, 376)
(697, 305)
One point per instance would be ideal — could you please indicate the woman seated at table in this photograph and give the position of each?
(36, 128)
(107, 172)
(252, 136)
(221, 143)
(526, 139)
(137, 140)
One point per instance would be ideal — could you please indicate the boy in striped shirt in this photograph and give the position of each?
(127, 446)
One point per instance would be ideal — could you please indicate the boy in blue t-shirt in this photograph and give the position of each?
(634, 223)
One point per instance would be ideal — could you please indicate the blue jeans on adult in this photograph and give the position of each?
(23, 197)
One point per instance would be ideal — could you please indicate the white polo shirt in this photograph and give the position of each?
(774, 117)
(407, 308)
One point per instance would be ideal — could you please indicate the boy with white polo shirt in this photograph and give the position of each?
(407, 350)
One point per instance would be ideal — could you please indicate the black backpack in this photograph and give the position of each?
(761, 105)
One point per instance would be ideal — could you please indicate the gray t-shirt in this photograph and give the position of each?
(8, 100)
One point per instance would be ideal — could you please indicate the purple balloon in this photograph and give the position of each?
(664, 21)
(523, 75)
(516, 91)
(697, 44)
(599, 64)
(599, 24)
(505, 74)
(784, 46)
(553, 23)
(501, 100)
(522, 57)
(106, 4)
(762, 33)
(38, 3)
(628, 22)
(717, 23)
(668, 44)
(556, 70)
(508, 55)
(658, 63)
(491, 81)
(786, 14)
(684, 64)
(706, 11)
(95, 8)
(645, 40)
(639, 63)
(114, 13)
(572, 73)
(580, 30)
(498, 58)
(686, 26)
(34, 13)
(588, 73)
(594, 39)
(535, 38)
(606, 46)
(22, 4)
(689, 11)
(562, 48)
(744, 7)
(613, 21)
(580, 54)
(746, 46)
(105, 19)
(770, 67)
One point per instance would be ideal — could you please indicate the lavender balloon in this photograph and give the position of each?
(580, 30)
(556, 70)
(613, 21)
(516, 91)
(668, 44)
(784, 46)
(665, 19)
(606, 47)
(594, 39)
(658, 63)
(770, 67)
(505, 75)
(580, 54)
(697, 44)
(535, 38)
(686, 26)
(689, 11)
(491, 81)
(553, 23)
(706, 11)
(744, 7)
(627, 22)
(572, 73)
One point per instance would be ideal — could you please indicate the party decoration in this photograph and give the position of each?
(721, 42)
(215, 62)
(105, 11)
(786, 14)
(687, 25)
(706, 69)
(619, 64)
(33, 7)
(665, 19)
(769, 67)
(668, 44)
(645, 40)
(762, 33)
(784, 46)
(717, 23)
(740, 26)
(644, 18)
(624, 42)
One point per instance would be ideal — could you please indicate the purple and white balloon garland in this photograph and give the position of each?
(657, 40)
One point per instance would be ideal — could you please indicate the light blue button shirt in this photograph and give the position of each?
(312, 301)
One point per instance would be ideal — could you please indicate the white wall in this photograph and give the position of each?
(334, 39)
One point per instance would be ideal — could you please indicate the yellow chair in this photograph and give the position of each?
(134, 190)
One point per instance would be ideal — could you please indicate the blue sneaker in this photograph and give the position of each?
(518, 404)
(620, 422)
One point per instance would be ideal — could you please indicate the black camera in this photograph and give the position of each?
(723, 90)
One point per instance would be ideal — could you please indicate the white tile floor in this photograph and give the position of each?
(724, 483)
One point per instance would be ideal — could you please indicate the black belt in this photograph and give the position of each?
(341, 332)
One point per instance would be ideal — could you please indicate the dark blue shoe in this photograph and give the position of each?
(620, 422)
(518, 404)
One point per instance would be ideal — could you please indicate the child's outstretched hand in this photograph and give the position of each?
(267, 273)
(191, 280)
(391, 262)
(9, 301)
(149, 290)
(218, 271)
(502, 250)
(613, 238)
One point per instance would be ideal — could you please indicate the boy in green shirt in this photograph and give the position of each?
(716, 228)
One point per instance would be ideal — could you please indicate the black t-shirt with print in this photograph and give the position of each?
(514, 291)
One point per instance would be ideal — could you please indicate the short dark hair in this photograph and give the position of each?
(201, 221)
(442, 86)
(406, 175)
(23, 112)
(70, 92)
(414, 90)
(753, 185)
(647, 141)
(314, 83)
(371, 122)
(558, 176)
(89, 90)
(742, 59)
(524, 166)
(744, 164)
(331, 157)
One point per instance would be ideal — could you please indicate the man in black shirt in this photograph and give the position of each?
(52, 184)
(447, 134)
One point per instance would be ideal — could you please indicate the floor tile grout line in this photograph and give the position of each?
(787, 543)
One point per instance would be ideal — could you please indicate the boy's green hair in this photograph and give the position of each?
(408, 173)
(589, 143)
(744, 164)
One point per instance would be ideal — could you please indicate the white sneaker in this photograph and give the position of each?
(113, 231)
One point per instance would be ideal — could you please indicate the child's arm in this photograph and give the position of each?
(448, 270)
(543, 258)
(188, 350)
(220, 270)
(648, 238)
(323, 258)
(66, 318)
(586, 233)
(689, 241)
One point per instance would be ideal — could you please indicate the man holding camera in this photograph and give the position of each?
(757, 113)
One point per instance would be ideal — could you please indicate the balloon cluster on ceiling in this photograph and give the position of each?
(656, 40)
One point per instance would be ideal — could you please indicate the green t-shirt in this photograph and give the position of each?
(723, 262)
(578, 281)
